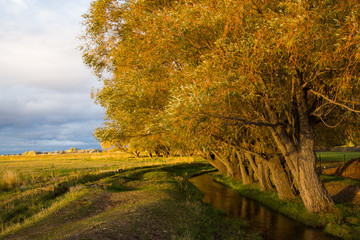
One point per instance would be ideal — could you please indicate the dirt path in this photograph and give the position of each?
(102, 214)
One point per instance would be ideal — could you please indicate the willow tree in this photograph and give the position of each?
(287, 64)
(281, 66)
(135, 89)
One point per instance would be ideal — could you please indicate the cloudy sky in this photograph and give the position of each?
(45, 88)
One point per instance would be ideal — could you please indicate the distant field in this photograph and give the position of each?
(29, 174)
(337, 156)
(334, 159)
(43, 169)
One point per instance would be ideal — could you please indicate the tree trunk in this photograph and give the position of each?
(216, 163)
(227, 162)
(281, 179)
(300, 156)
(288, 150)
(312, 191)
(246, 179)
(259, 172)
(266, 173)
(235, 165)
(136, 154)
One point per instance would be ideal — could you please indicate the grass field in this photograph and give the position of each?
(334, 159)
(82, 196)
(150, 203)
(337, 156)
(29, 185)
(41, 170)
(38, 191)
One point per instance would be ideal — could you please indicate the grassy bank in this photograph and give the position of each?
(343, 221)
(139, 202)
(337, 156)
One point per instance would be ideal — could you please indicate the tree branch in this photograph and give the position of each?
(244, 121)
(239, 148)
(333, 102)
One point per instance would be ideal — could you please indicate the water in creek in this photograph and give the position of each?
(271, 224)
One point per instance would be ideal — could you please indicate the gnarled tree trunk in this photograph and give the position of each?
(259, 172)
(300, 155)
(245, 177)
(281, 179)
(312, 190)
(215, 162)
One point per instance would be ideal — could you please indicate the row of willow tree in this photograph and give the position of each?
(252, 85)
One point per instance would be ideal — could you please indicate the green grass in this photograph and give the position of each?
(334, 159)
(30, 184)
(343, 221)
(34, 171)
(43, 210)
(24, 206)
(167, 198)
(339, 179)
(337, 156)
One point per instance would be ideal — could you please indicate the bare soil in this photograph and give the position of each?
(345, 191)
(350, 169)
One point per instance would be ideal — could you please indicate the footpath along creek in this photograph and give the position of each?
(272, 225)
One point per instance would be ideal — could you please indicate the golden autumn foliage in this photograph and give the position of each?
(244, 82)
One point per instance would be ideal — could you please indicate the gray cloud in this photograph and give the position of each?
(44, 87)
(40, 119)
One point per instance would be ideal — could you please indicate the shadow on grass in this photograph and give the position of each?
(163, 213)
(348, 194)
(332, 178)
(188, 169)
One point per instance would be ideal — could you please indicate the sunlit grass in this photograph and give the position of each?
(337, 156)
(174, 200)
(31, 171)
(44, 212)
(31, 184)
(334, 159)
(8, 180)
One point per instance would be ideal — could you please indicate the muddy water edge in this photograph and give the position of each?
(270, 224)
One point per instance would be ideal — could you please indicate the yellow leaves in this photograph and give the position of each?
(106, 145)
(171, 60)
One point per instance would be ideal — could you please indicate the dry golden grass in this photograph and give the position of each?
(8, 180)
(29, 171)
(30, 184)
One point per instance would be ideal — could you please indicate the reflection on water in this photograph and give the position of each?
(261, 219)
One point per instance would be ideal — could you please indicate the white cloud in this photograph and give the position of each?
(44, 63)
(13, 6)
(44, 86)
(46, 56)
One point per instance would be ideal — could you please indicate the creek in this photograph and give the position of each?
(271, 225)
